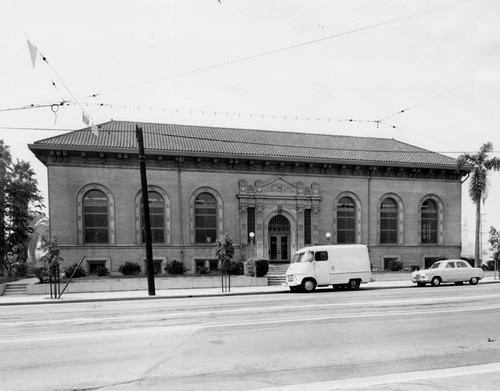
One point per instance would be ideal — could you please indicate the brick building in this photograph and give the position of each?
(272, 192)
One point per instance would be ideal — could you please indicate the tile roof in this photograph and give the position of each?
(225, 142)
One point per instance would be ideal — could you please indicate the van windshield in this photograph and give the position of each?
(307, 256)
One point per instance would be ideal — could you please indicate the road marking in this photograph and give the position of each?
(394, 378)
(399, 302)
(199, 326)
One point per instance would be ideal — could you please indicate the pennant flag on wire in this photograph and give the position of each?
(85, 118)
(33, 52)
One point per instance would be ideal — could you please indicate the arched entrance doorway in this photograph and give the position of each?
(279, 239)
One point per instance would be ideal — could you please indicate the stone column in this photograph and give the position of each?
(315, 224)
(243, 225)
(259, 231)
(300, 226)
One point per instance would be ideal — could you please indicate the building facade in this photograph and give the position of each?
(271, 192)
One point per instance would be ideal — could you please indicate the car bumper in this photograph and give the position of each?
(293, 280)
(420, 279)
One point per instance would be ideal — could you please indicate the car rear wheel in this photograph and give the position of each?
(436, 281)
(308, 285)
(473, 280)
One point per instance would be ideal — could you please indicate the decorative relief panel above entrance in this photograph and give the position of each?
(278, 187)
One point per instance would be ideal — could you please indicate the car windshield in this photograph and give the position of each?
(307, 256)
(435, 265)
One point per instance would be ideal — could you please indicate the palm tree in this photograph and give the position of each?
(480, 164)
(5, 161)
(40, 226)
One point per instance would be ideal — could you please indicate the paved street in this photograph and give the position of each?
(411, 338)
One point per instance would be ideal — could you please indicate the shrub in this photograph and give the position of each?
(79, 271)
(235, 267)
(257, 267)
(130, 268)
(175, 267)
(41, 273)
(261, 267)
(102, 271)
(20, 269)
(395, 265)
(414, 268)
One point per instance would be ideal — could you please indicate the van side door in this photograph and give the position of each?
(321, 268)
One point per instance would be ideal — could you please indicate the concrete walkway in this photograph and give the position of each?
(189, 293)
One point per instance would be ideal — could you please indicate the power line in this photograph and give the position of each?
(42, 129)
(288, 117)
(280, 50)
(35, 106)
(425, 101)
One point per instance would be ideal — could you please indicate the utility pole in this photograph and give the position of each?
(147, 220)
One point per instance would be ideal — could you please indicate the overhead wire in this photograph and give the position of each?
(424, 101)
(279, 50)
(378, 122)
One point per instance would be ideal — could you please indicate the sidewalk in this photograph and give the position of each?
(187, 293)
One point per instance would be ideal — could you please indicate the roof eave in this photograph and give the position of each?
(49, 147)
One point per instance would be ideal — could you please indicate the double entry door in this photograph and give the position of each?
(279, 248)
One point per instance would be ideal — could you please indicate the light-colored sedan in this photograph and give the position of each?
(451, 270)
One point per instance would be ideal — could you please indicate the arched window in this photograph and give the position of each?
(205, 210)
(156, 216)
(95, 217)
(346, 221)
(389, 221)
(429, 221)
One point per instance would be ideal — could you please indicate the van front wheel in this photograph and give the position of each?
(308, 285)
(353, 285)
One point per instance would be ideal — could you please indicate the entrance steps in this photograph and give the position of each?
(13, 289)
(277, 273)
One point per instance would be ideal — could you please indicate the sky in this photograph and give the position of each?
(424, 72)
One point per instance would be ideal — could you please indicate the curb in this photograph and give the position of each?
(125, 298)
(188, 295)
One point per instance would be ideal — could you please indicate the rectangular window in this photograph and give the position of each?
(96, 225)
(428, 261)
(307, 226)
(346, 226)
(156, 266)
(321, 256)
(96, 268)
(205, 220)
(391, 263)
(207, 266)
(429, 231)
(388, 228)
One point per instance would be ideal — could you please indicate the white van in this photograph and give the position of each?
(342, 266)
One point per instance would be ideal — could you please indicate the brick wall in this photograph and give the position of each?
(65, 183)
